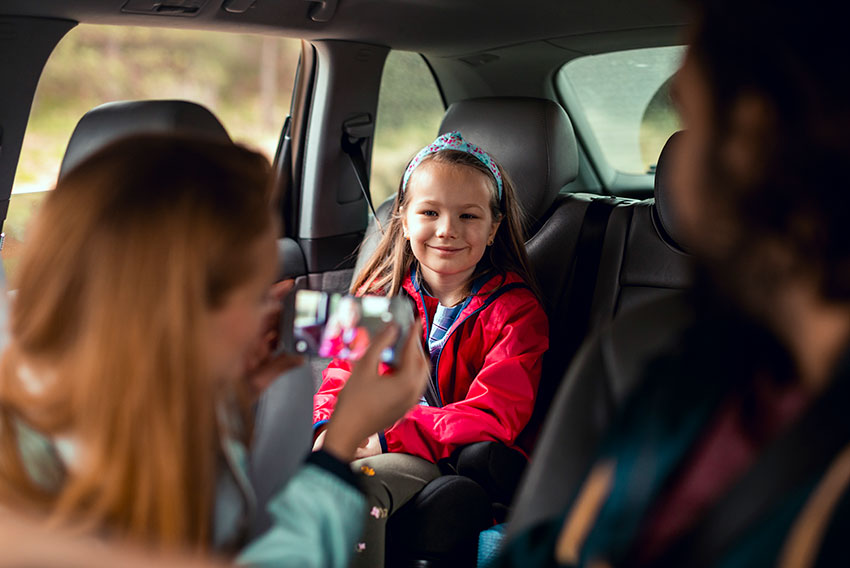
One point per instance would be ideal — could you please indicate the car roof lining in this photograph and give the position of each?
(434, 27)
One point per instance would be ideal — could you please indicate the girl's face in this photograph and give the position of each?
(448, 219)
(235, 327)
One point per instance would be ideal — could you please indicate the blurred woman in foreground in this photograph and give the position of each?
(124, 387)
(26, 542)
(735, 451)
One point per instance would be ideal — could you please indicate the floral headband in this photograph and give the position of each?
(453, 141)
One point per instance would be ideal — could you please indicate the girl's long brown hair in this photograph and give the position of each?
(393, 259)
(129, 255)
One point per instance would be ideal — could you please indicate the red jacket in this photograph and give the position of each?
(487, 373)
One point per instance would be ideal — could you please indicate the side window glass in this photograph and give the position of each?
(245, 80)
(410, 109)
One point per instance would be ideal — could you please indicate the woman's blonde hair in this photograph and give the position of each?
(393, 259)
(128, 256)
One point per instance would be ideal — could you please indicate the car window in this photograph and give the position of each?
(624, 99)
(410, 108)
(245, 80)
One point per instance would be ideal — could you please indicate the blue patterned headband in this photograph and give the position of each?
(453, 141)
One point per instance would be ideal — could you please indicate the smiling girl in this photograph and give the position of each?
(454, 246)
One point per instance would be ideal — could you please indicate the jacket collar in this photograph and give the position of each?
(489, 286)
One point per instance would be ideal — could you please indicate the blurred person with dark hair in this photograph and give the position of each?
(735, 450)
(132, 361)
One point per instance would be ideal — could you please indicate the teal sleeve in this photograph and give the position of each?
(316, 521)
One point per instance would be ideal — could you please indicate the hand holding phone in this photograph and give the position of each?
(372, 400)
(266, 362)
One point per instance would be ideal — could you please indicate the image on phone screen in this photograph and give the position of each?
(342, 326)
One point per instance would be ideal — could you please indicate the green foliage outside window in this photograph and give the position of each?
(246, 80)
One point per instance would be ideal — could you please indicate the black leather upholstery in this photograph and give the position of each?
(604, 372)
(639, 263)
(553, 254)
(439, 525)
(532, 139)
(552, 248)
(111, 121)
(642, 275)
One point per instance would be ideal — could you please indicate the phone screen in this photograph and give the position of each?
(342, 326)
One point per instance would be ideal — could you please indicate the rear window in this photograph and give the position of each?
(623, 99)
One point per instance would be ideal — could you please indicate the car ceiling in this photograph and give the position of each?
(453, 28)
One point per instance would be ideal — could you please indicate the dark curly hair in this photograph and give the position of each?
(793, 58)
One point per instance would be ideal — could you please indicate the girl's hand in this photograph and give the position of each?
(371, 402)
(262, 366)
(371, 446)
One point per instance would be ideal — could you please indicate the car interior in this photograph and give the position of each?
(602, 241)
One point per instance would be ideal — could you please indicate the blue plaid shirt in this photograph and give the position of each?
(443, 320)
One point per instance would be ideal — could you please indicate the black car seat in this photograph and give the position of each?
(647, 297)
(643, 256)
(595, 257)
(282, 418)
(533, 140)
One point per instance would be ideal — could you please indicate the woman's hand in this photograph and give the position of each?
(262, 366)
(371, 402)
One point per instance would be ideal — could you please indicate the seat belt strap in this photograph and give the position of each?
(581, 279)
(355, 133)
(585, 273)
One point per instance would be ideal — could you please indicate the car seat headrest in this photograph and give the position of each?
(664, 209)
(109, 122)
(531, 138)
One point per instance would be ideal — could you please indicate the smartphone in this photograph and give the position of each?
(342, 326)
